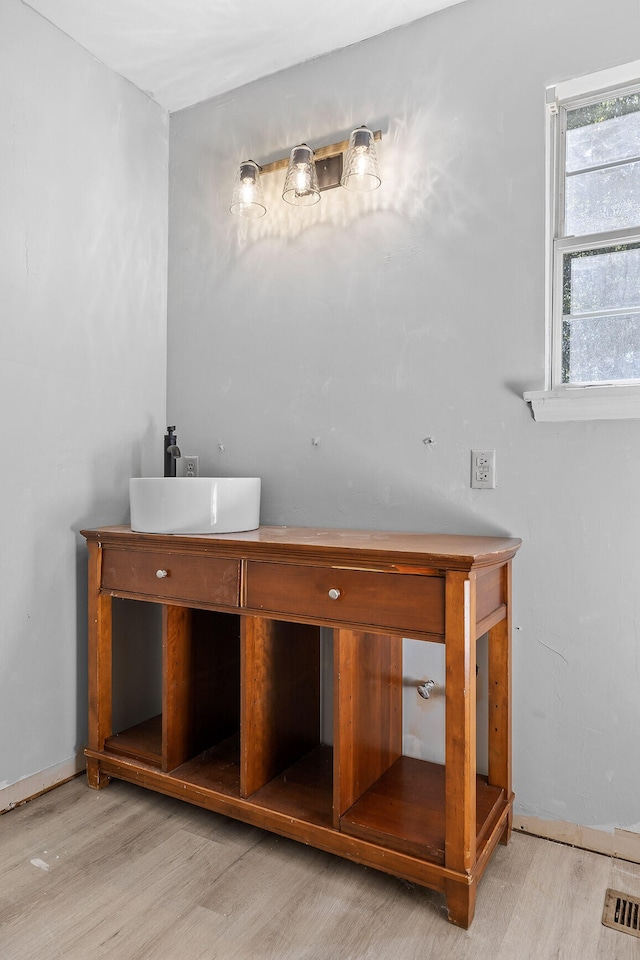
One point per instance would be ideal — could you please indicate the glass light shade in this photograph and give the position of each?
(301, 185)
(360, 171)
(248, 200)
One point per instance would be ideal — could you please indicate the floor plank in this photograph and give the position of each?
(126, 874)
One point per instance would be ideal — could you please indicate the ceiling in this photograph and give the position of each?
(183, 51)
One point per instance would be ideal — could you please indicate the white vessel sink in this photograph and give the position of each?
(194, 504)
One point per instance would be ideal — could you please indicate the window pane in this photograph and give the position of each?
(606, 199)
(603, 133)
(601, 348)
(604, 279)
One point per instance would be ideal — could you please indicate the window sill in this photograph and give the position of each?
(585, 403)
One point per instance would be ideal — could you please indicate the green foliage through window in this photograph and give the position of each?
(604, 110)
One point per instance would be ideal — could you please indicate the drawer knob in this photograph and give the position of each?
(160, 574)
(334, 594)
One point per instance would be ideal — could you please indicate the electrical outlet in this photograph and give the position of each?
(483, 469)
(188, 466)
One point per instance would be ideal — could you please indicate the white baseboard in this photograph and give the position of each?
(38, 783)
(623, 844)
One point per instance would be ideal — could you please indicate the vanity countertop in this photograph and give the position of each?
(454, 551)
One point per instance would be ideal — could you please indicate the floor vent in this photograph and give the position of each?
(622, 912)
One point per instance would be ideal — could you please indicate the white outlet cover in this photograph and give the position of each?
(483, 469)
(183, 465)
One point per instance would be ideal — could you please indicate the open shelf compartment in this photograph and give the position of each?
(200, 698)
(304, 790)
(405, 810)
(381, 796)
(284, 765)
(143, 742)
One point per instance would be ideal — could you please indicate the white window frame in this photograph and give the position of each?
(558, 401)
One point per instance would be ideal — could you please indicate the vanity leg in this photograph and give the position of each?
(460, 745)
(461, 902)
(500, 704)
(96, 779)
(506, 833)
(99, 667)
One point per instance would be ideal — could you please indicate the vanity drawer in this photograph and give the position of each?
(405, 601)
(213, 580)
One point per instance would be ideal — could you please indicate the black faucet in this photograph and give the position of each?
(171, 452)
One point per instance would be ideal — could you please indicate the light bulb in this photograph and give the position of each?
(360, 170)
(302, 180)
(247, 200)
(301, 184)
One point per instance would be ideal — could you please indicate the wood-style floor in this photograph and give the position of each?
(126, 874)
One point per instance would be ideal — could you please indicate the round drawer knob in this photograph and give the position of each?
(160, 574)
(334, 594)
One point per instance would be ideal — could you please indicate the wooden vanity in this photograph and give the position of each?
(240, 728)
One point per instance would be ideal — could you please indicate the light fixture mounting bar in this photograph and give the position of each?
(329, 151)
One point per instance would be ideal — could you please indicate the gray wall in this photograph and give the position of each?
(372, 323)
(83, 259)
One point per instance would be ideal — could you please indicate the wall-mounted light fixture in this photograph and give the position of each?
(310, 172)
(248, 200)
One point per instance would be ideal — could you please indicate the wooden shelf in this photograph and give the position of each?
(405, 809)
(217, 768)
(304, 790)
(142, 742)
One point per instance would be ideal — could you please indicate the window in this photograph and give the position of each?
(593, 327)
